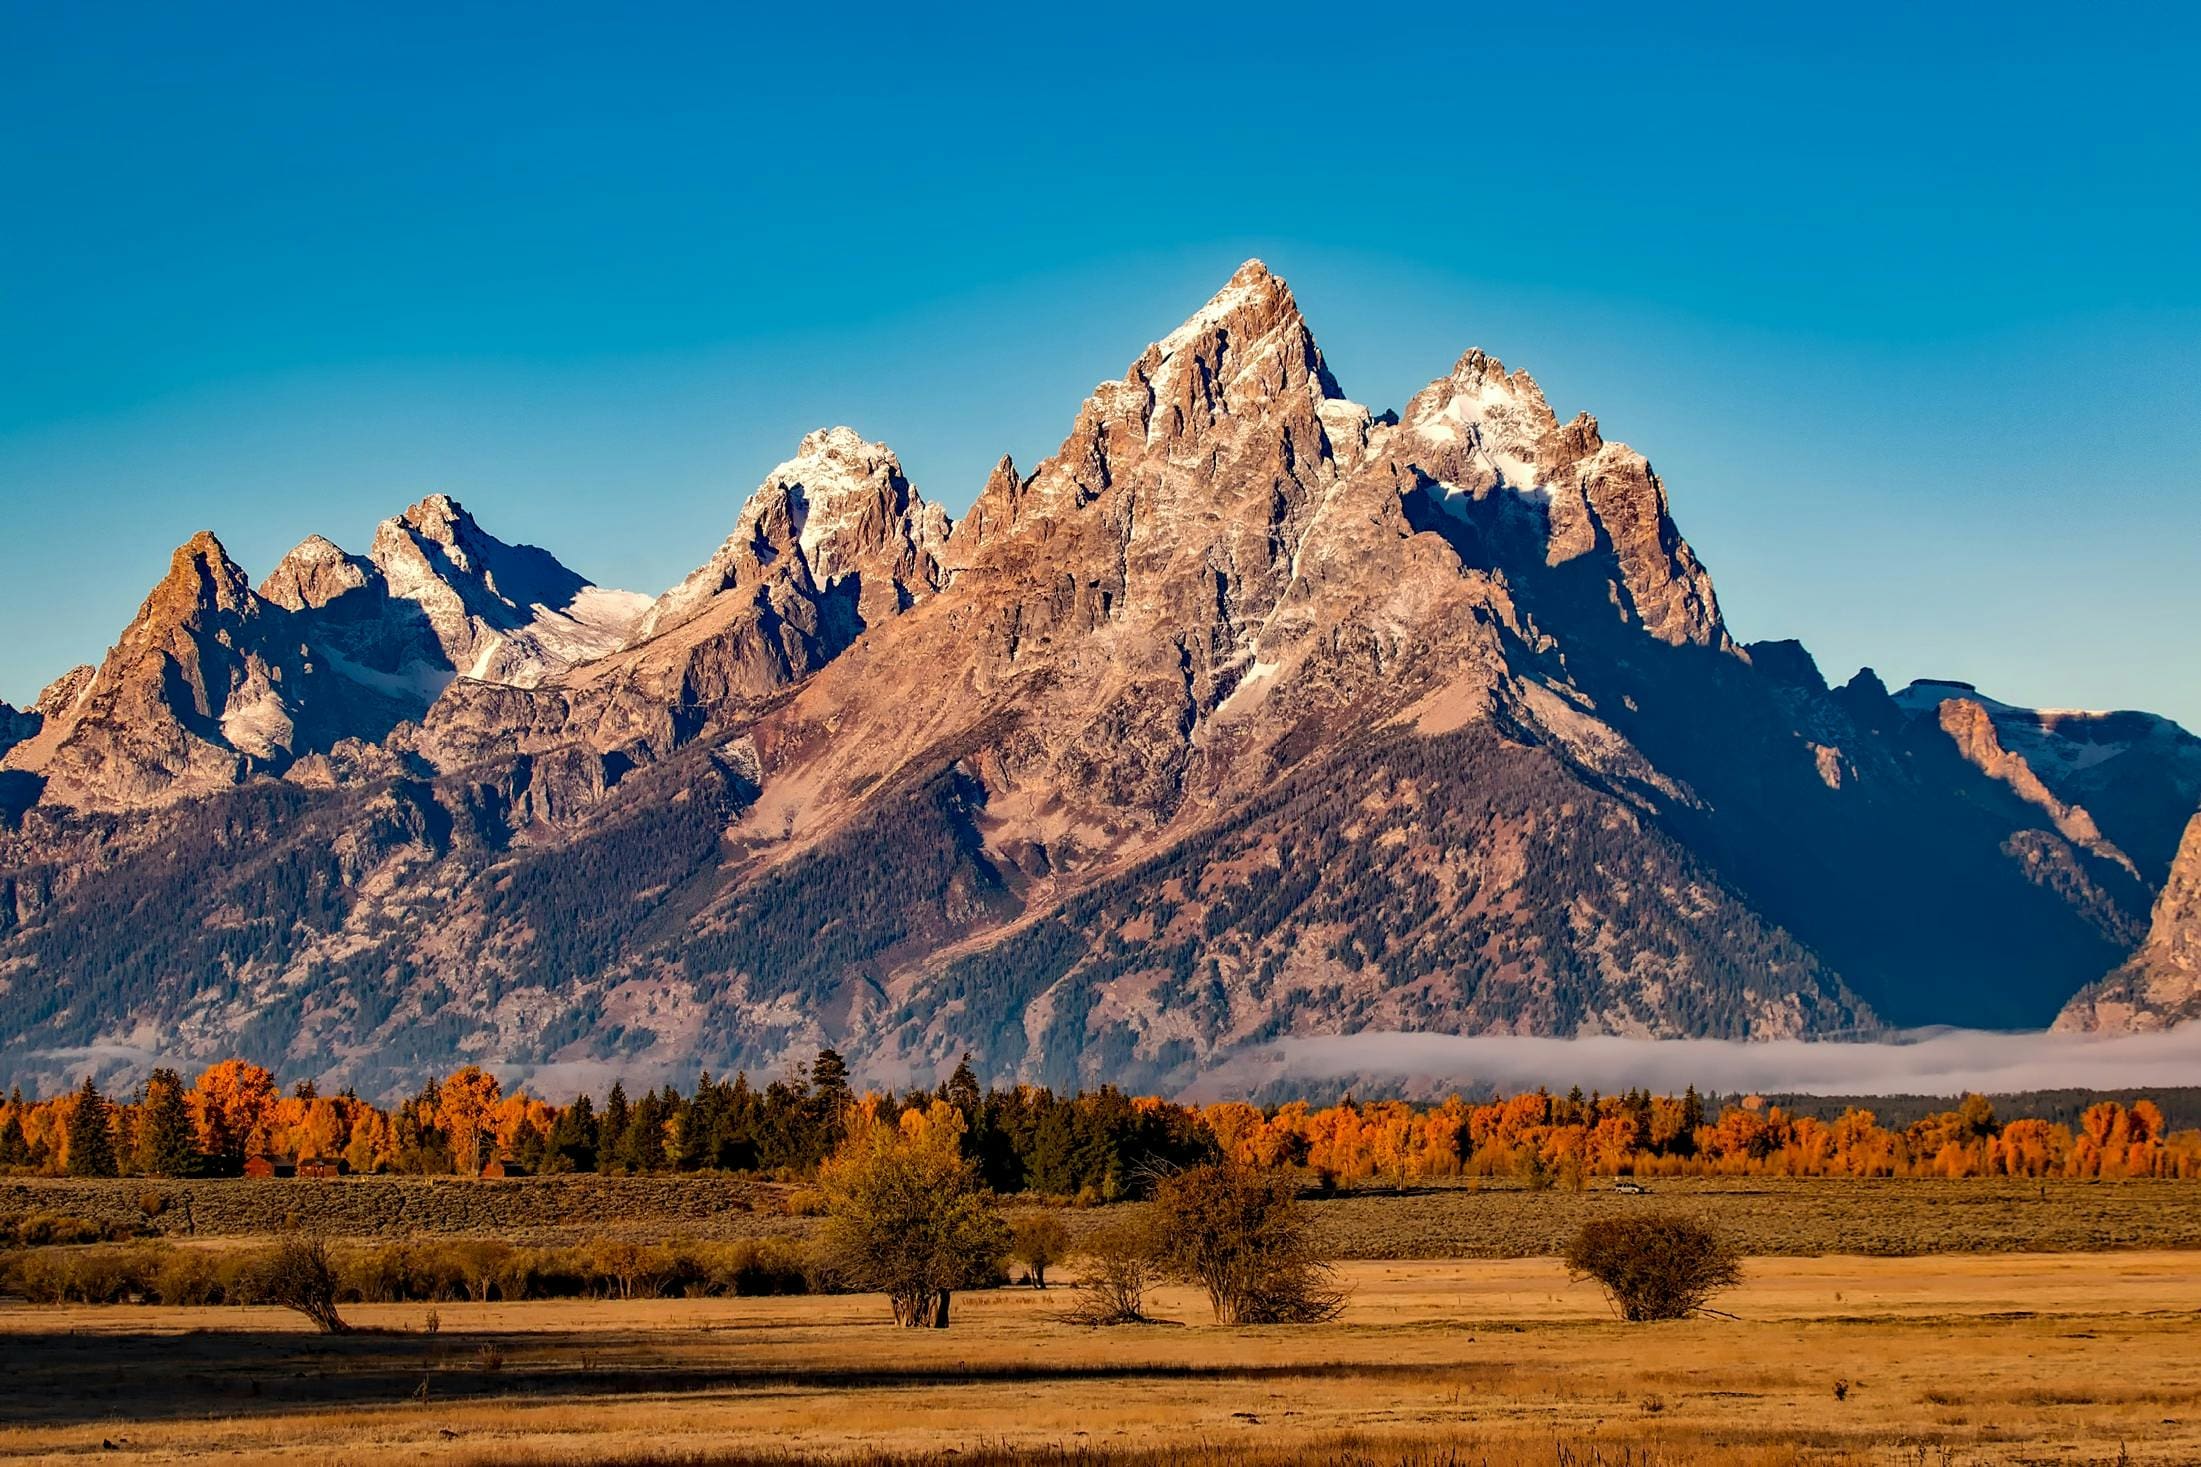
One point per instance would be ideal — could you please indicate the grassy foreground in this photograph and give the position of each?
(1841, 1359)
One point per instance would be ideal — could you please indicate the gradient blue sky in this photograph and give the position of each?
(1906, 310)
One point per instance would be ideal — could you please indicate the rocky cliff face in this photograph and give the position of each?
(198, 691)
(215, 682)
(16, 725)
(2160, 985)
(494, 612)
(1247, 712)
(2130, 775)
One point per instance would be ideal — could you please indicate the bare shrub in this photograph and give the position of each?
(1116, 1269)
(299, 1274)
(1240, 1234)
(1039, 1243)
(1654, 1265)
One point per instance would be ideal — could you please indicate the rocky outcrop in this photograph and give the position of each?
(1970, 728)
(193, 695)
(215, 682)
(2161, 984)
(834, 543)
(316, 574)
(16, 725)
(1481, 434)
(495, 612)
(840, 513)
(2130, 775)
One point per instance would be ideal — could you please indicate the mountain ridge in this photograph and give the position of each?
(1246, 712)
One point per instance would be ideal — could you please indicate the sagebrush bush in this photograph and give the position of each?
(41, 1229)
(442, 1272)
(1658, 1265)
(1241, 1235)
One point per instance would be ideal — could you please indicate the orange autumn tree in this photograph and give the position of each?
(466, 1107)
(235, 1109)
(231, 1105)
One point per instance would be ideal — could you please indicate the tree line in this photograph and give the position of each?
(1094, 1146)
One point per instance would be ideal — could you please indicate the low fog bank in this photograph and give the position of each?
(1927, 1062)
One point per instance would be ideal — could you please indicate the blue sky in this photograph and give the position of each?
(1906, 309)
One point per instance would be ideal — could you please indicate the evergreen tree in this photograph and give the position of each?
(963, 1087)
(734, 1142)
(700, 1124)
(830, 1096)
(611, 1131)
(166, 1145)
(642, 1141)
(571, 1146)
(829, 1077)
(529, 1146)
(91, 1142)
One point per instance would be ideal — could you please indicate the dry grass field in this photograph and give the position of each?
(1762, 1215)
(1985, 1358)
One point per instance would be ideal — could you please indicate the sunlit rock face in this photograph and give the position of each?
(1248, 712)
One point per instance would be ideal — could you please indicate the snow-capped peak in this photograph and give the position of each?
(1486, 415)
(841, 506)
(834, 478)
(314, 573)
(482, 608)
(1252, 285)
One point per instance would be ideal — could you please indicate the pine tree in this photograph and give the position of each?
(15, 1150)
(829, 1076)
(701, 1124)
(612, 1129)
(963, 1091)
(571, 1146)
(642, 1141)
(166, 1145)
(91, 1143)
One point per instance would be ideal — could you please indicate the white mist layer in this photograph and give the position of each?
(1928, 1062)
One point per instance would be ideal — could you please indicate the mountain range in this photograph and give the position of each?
(1249, 712)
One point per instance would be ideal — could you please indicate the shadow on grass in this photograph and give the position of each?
(65, 1379)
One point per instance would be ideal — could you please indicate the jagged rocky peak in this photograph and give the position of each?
(2161, 984)
(1237, 395)
(202, 581)
(1248, 346)
(840, 511)
(435, 540)
(497, 612)
(1484, 429)
(189, 696)
(847, 502)
(60, 695)
(1487, 437)
(316, 572)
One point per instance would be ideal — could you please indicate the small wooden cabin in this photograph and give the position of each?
(321, 1168)
(259, 1166)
